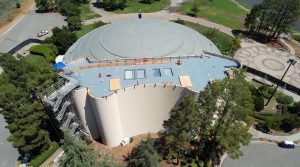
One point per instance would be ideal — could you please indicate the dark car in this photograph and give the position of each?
(287, 144)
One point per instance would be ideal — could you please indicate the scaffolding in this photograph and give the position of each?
(57, 97)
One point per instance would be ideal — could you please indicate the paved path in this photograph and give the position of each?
(270, 61)
(257, 134)
(163, 15)
(8, 154)
(49, 161)
(28, 27)
(265, 155)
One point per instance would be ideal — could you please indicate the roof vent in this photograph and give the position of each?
(140, 15)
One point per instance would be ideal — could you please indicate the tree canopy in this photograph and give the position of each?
(273, 17)
(20, 83)
(144, 154)
(78, 154)
(217, 122)
(63, 39)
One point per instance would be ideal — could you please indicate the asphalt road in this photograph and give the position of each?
(8, 154)
(28, 27)
(265, 155)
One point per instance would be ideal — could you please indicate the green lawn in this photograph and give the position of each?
(135, 6)
(37, 161)
(88, 28)
(222, 12)
(47, 50)
(86, 13)
(221, 40)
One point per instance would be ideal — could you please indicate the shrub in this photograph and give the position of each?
(18, 5)
(37, 161)
(179, 21)
(258, 103)
(296, 37)
(295, 109)
(46, 50)
(131, 139)
(284, 99)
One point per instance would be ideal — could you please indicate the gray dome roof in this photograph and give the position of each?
(139, 38)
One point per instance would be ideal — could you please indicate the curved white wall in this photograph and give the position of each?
(106, 112)
(133, 111)
(85, 112)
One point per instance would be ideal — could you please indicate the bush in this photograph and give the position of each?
(284, 99)
(18, 5)
(271, 120)
(295, 109)
(296, 37)
(179, 21)
(37, 161)
(258, 103)
(46, 50)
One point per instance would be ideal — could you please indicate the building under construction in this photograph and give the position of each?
(123, 79)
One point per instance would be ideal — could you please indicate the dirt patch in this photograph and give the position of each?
(295, 46)
(277, 44)
(119, 153)
(16, 15)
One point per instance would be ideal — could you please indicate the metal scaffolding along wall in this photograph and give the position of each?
(57, 97)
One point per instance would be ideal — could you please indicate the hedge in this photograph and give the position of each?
(37, 161)
(46, 50)
(258, 103)
(284, 99)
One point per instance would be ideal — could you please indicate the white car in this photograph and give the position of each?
(42, 33)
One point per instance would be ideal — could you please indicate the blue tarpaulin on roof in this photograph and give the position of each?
(58, 66)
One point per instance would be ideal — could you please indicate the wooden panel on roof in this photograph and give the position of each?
(185, 81)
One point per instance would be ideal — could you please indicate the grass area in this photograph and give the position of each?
(222, 12)
(37, 161)
(6, 6)
(86, 13)
(221, 40)
(296, 37)
(136, 6)
(47, 50)
(88, 28)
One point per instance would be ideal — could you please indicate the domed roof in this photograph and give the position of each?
(139, 38)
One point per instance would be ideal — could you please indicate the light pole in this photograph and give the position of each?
(292, 61)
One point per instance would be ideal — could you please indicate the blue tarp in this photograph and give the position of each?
(58, 66)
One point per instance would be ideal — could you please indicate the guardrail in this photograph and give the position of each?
(273, 79)
(24, 43)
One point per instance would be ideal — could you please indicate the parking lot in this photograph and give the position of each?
(265, 155)
(28, 27)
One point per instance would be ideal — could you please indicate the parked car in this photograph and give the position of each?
(287, 144)
(42, 33)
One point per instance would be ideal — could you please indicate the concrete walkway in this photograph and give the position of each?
(259, 135)
(108, 17)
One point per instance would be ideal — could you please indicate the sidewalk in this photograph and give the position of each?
(259, 135)
(109, 17)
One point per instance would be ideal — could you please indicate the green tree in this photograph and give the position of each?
(144, 154)
(273, 17)
(46, 5)
(20, 83)
(112, 4)
(74, 23)
(225, 107)
(180, 127)
(194, 9)
(69, 9)
(235, 45)
(77, 153)
(63, 39)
